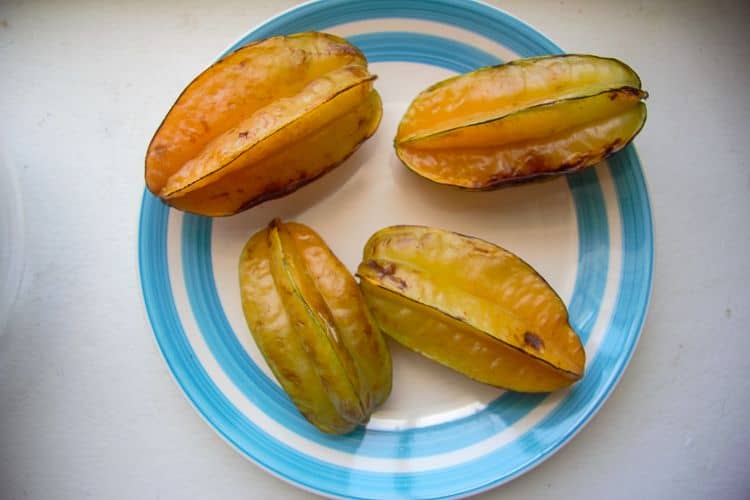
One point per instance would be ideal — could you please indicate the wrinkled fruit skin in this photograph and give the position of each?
(262, 122)
(521, 121)
(309, 320)
(472, 306)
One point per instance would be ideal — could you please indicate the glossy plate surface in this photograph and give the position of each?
(439, 434)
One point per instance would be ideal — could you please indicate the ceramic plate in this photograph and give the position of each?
(11, 239)
(439, 434)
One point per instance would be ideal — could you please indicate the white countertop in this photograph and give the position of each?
(87, 406)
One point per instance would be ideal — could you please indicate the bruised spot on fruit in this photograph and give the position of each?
(533, 340)
(480, 249)
(243, 135)
(348, 49)
(270, 192)
(534, 162)
(630, 92)
(634, 92)
(401, 284)
(387, 271)
(383, 270)
(367, 331)
(299, 57)
(579, 162)
(218, 196)
(291, 377)
(615, 145)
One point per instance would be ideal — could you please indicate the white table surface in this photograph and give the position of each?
(87, 406)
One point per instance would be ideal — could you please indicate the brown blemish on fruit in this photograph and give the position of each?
(276, 190)
(534, 162)
(383, 270)
(533, 340)
(387, 271)
(348, 50)
(243, 135)
(579, 162)
(401, 284)
(613, 147)
(635, 92)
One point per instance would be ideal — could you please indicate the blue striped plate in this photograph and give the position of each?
(439, 435)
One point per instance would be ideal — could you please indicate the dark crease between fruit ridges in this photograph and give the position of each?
(368, 250)
(172, 194)
(569, 374)
(628, 90)
(536, 176)
(329, 325)
(316, 322)
(345, 48)
(291, 186)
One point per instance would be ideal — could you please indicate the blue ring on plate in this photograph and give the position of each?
(501, 413)
(481, 473)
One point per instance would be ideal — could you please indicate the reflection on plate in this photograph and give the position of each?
(439, 434)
